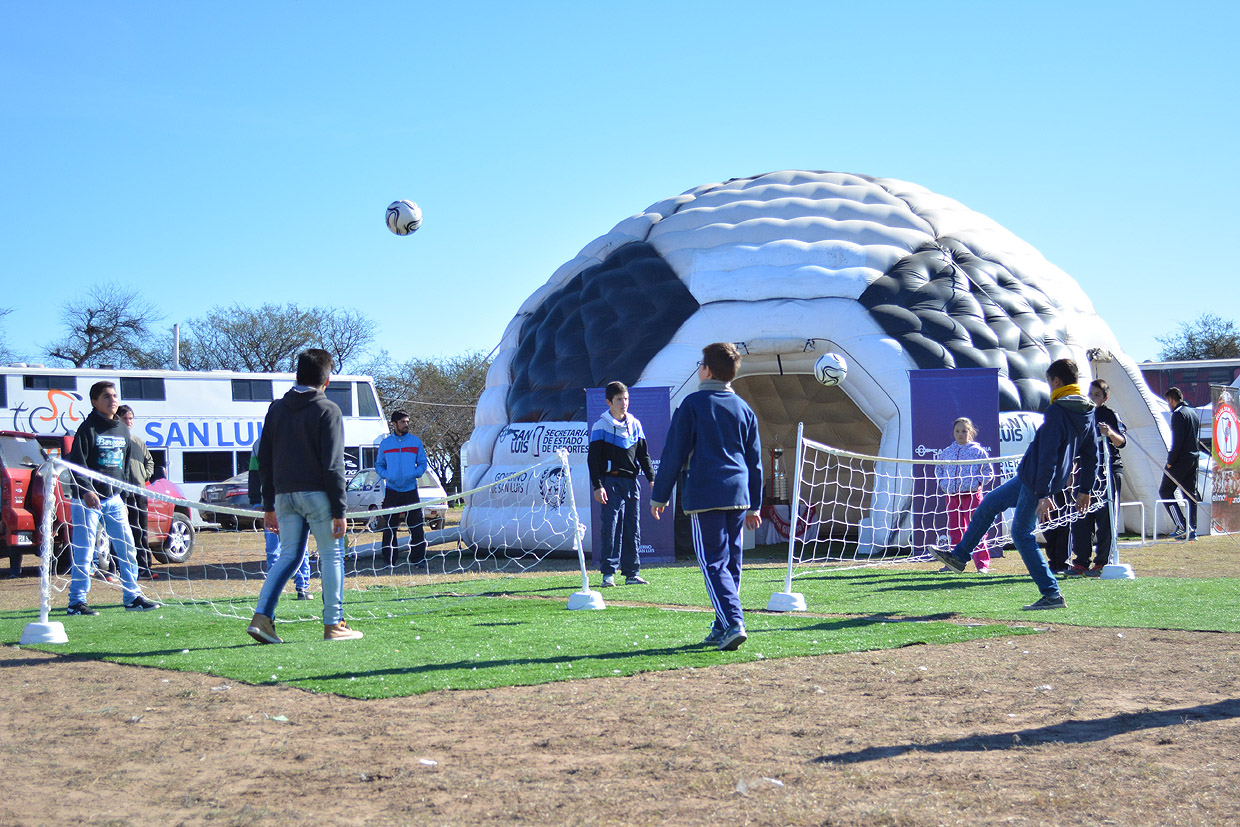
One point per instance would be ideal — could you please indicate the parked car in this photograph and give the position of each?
(233, 492)
(169, 530)
(365, 493)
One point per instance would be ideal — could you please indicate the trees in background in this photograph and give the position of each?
(1208, 337)
(7, 354)
(108, 325)
(440, 396)
(268, 338)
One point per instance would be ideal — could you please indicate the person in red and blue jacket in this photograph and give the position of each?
(400, 463)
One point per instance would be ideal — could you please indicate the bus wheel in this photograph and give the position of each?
(179, 543)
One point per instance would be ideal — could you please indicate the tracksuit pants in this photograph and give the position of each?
(718, 538)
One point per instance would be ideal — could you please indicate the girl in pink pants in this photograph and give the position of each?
(963, 484)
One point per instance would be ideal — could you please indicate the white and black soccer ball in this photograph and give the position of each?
(830, 369)
(404, 217)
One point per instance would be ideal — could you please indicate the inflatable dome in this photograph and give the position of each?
(789, 265)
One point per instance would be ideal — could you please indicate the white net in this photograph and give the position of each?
(853, 508)
(218, 561)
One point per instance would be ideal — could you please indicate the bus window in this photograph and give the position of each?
(46, 382)
(206, 466)
(251, 390)
(366, 404)
(143, 387)
(342, 394)
(369, 454)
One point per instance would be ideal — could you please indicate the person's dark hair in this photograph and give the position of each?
(1101, 384)
(1172, 393)
(122, 410)
(97, 389)
(723, 359)
(1065, 370)
(398, 415)
(614, 389)
(314, 367)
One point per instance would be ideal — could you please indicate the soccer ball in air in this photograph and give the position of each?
(830, 369)
(404, 217)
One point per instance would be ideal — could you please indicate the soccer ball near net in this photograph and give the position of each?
(830, 369)
(404, 217)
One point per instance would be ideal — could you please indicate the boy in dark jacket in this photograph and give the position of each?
(301, 460)
(103, 445)
(617, 452)
(714, 439)
(1068, 434)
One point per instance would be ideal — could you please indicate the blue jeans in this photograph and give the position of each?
(621, 528)
(115, 517)
(1012, 494)
(301, 575)
(296, 513)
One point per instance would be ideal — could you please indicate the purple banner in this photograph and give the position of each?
(937, 399)
(653, 408)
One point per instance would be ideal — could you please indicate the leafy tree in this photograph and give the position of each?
(109, 325)
(1209, 337)
(440, 397)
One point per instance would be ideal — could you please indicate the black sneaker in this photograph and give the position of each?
(1056, 602)
(948, 559)
(732, 638)
(304, 594)
(636, 580)
(141, 604)
(80, 609)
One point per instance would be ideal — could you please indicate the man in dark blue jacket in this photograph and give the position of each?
(1180, 471)
(1068, 435)
(713, 438)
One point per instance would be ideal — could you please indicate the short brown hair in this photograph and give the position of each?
(1065, 370)
(614, 389)
(97, 389)
(723, 360)
(1172, 393)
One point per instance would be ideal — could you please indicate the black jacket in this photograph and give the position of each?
(302, 449)
(102, 445)
(1184, 427)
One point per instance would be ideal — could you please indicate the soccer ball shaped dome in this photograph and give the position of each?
(792, 265)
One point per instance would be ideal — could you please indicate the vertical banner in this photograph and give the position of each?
(937, 399)
(653, 408)
(1225, 482)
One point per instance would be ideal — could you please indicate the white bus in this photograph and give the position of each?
(199, 425)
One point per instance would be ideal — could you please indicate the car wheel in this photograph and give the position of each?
(179, 543)
(373, 524)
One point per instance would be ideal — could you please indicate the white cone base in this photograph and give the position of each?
(51, 632)
(786, 602)
(1118, 571)
(586, 600)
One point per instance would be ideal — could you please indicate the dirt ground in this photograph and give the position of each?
(1073, 726)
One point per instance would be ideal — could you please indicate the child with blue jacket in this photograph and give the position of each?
(714, 440)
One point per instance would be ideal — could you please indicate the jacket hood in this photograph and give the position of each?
(1075, 404)
(297, 400)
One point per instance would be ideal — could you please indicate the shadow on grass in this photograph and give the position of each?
(1069, 732)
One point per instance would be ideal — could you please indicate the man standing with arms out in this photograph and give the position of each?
(102, 444)
(1068, 434)
(301, 460)
(141, 469)
(715, 434)
(617, 452)
(1181, 468)
(400, 463)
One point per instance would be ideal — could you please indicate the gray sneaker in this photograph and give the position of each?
(948, 559)
(636, 580)
(609, 581)
(1056, 602)
(714, 637)
(732, 638)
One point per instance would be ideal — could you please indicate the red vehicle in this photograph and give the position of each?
(169, 530)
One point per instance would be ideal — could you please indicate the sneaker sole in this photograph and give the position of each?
(948, 559)
(1036, 608)
(261, 636)
(142, 608)
(732, 644)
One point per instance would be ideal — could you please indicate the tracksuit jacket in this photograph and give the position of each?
(714, 438)
(401, 461)
(618, 449)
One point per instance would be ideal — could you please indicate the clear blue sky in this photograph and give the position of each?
(222, 152)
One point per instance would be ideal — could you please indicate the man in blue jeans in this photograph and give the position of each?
(301, 460)
(1067, 436)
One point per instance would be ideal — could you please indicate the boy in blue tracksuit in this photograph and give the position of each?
(617, 453)
(714, 438)
(1068, 435)
(401, 461)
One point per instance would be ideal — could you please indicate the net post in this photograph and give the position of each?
(584, 599)
(44, 630)
(788, 600)
(1114, 570)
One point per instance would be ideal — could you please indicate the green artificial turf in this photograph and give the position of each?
(518, 631)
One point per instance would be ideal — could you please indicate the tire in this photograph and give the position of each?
(179, 544)
(373, 524)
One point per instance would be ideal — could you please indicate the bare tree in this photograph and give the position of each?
(1209, 337)
(109, 325)
(345, 334)
(440, 398)
(7, 354)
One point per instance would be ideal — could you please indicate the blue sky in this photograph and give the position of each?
(213, 153)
